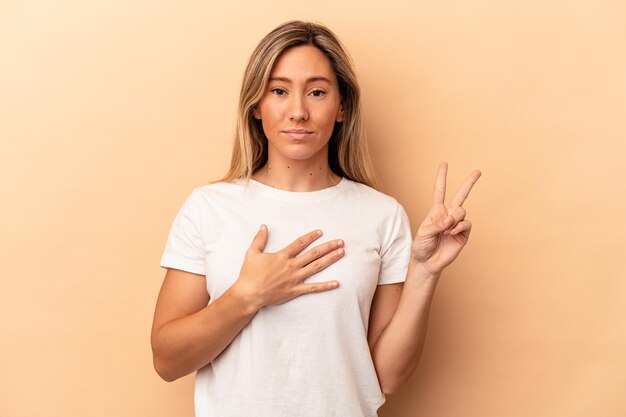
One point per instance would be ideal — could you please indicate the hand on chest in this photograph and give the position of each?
(357, 271)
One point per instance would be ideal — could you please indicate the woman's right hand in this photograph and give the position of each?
(273, 278)
(188, 332)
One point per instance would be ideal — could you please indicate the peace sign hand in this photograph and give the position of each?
(445, 231)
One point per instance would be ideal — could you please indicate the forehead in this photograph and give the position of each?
(303, 62)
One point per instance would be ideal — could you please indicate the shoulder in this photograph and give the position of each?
(204, 201)
(207, 193)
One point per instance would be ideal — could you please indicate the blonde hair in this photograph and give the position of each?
(348, 155)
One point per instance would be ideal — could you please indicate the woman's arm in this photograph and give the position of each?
(398, 320)
(187, 333)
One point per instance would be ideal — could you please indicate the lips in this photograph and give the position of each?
(297, 133)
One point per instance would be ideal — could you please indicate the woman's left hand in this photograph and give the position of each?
(445, 231)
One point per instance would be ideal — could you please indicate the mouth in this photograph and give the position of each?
(297, 133)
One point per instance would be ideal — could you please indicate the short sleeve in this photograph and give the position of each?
(184, 249)
(396, 248)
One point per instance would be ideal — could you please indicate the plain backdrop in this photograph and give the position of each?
(112, 112)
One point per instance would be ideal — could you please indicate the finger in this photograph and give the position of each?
(302, 242)
(320, 264)
(315, 287)
(465, 189)
(433, 229)
(454, 216)
(464, 227)
(260, 239)
(458, 214)
(317, 252)
(439, 194)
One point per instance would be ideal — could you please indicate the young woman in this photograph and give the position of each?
(293, 287)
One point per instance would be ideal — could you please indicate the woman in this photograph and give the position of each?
(293, 287)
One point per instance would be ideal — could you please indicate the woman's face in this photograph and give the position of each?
(299, 109)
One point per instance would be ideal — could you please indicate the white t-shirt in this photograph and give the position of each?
(307, 357)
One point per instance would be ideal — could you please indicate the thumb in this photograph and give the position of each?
(260, 239)
(433, 229)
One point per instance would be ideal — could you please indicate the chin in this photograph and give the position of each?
(301, 152)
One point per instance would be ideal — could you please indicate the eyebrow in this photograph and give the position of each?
(309, 80)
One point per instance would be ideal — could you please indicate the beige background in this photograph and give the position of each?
(112, 112)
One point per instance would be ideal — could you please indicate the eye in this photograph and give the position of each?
(278, 91)
(318, 93)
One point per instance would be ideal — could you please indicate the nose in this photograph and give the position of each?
(298, 111)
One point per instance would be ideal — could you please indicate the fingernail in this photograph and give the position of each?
(340, 243)
(263, 227)
(319, 233)
(340, 251)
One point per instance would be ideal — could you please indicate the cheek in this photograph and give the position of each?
(328, 118)
(269, 111)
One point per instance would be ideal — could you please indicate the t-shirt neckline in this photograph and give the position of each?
(295, 195)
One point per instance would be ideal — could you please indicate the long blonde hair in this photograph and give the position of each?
(348, 155)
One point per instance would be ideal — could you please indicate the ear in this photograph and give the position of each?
(256, 113)
(339, 117)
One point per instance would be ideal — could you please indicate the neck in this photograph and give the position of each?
(297, 175)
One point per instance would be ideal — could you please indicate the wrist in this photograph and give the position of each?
(245, 300)
(422, 272)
